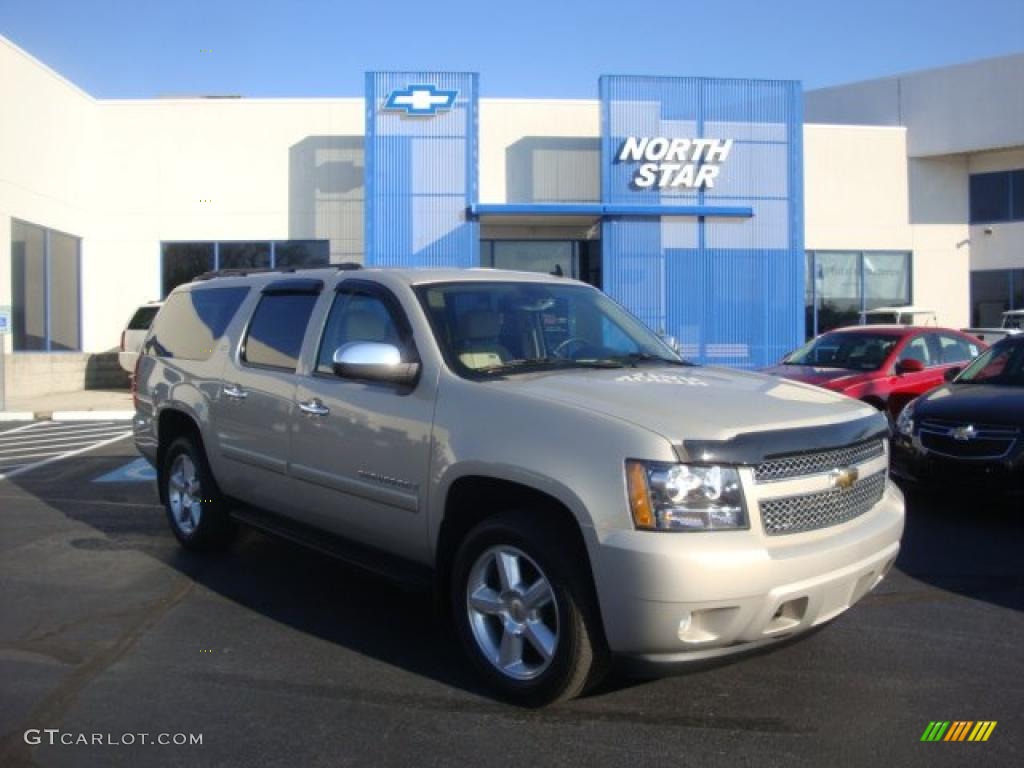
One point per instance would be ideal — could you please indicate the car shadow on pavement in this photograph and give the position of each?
(968, 545)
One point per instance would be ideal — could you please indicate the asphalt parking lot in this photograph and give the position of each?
(279, 656)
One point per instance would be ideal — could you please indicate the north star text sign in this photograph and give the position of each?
(669, 163)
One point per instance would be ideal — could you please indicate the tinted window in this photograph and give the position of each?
(853, 349)
(1017, 195)
(990, 197)
(301, 253)
(917, 349)
(183, 261)
(244, 256)
(1001, 364)
(953, 349)
(357, 317)
(45, 288)
(276, 331)
(990, 297)
(191, 322)
(142, 319)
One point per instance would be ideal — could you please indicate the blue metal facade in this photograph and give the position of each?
(421, 170)
(730, 289)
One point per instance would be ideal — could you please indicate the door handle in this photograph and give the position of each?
(314, 407)
(235, 392)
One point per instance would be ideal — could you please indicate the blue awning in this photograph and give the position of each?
(603, 209)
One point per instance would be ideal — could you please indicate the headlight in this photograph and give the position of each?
(905, 421)
(685, 497)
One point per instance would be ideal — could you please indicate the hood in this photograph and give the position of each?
(991, 404)
(692, 403)
(831, 378)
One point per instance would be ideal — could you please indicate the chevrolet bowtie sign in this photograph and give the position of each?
(670, 163)
(420, 100)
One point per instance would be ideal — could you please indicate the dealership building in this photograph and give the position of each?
(739, 216)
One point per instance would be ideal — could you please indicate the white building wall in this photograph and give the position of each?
(47, 166)
(963, 108)
(204, 169)
(855, 188)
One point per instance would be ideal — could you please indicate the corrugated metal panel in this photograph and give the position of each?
(730, 289)
(421, 174)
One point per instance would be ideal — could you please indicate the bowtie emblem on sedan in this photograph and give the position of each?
(843, 478)
(965, 433)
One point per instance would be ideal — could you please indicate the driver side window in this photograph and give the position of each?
(356, 317)
(917, 349)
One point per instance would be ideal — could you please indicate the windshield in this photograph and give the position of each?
(1013, 321)
(505, 327)
(855, 350)
(1002, 364)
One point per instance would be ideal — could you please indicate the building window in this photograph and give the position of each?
(46, 281)
(996, 197)
(183, 261)
(994, 291)
(843, 284)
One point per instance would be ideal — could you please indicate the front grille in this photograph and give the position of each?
(818, 462)
(808, 512)
(947, 438)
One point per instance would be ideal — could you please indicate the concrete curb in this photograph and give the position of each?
(7, 416)
(16, 416)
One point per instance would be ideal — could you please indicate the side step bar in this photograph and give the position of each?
(384, 564)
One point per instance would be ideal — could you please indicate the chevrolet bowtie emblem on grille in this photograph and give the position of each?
(420, 100)
(965, 433)
(844, 477)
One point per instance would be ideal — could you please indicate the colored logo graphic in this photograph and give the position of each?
(420, 100)
(958, 730)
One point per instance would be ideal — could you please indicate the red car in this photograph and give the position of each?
(884, 365)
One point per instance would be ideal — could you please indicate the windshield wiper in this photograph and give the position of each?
(548, 363)
(633, 358)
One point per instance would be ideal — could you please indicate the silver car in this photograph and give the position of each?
(574, 488)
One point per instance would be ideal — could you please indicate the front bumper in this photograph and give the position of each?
(914, 463)
(669, 598)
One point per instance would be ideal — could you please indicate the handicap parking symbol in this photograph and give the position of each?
(138, 471)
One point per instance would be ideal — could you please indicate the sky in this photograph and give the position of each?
(527, 48)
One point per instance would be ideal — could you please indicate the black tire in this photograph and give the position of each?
(580, 658)
(211, 527)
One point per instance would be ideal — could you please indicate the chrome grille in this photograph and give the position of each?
(808, 512)
(983, 441)
(818, 462)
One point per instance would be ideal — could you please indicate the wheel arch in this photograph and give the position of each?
(172, 423)
(472, 498)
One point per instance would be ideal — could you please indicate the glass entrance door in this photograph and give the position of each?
(571, 258)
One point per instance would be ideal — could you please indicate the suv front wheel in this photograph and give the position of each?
(523, 611)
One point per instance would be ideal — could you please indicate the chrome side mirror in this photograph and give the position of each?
(373, 361)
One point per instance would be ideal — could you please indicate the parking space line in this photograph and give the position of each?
(34, 439)
(45, 462)
(53, 427)
(21, 429)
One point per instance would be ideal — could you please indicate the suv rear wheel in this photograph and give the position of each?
(195, 508)
(523, 612)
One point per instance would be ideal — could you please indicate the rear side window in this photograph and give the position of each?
(953, 349)
(275, 333)
(142, 319)
(190, 322)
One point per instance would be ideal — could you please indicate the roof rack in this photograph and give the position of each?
(243, 271)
